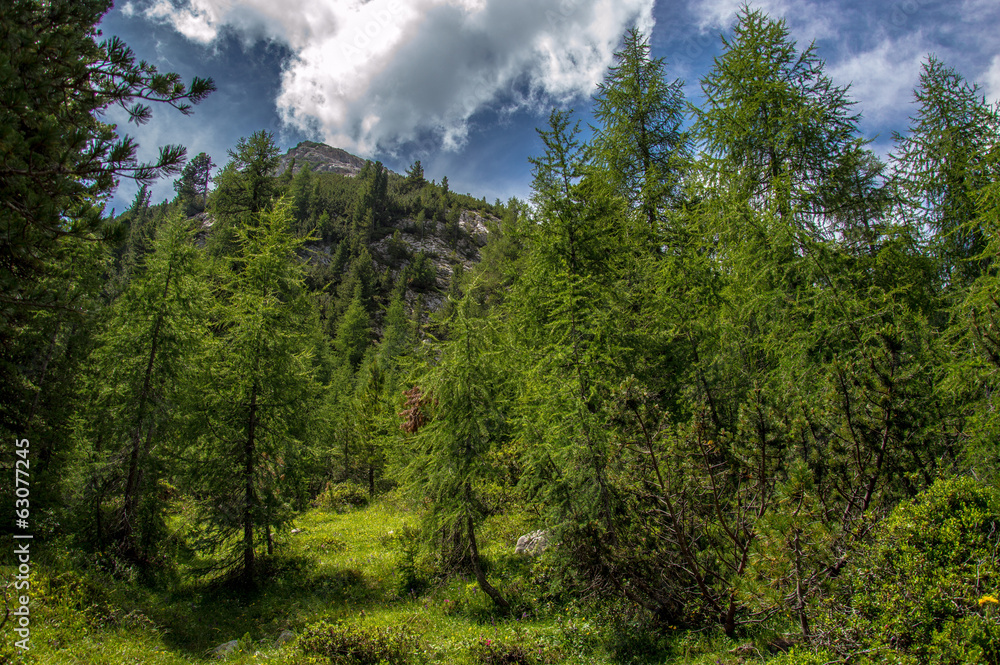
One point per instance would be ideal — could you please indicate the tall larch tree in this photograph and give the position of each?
(258, 395)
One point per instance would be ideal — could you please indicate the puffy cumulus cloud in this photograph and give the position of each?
(806, 19)
(201, 20)
(370, 74)
(991, 81)
(883, 78)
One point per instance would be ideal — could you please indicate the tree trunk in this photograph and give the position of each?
(249, 495)
(131, 497)
(477, 567)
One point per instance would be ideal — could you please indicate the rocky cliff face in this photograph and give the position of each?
(321, 158)
(442, 254)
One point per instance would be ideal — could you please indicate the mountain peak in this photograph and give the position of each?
(321, 158)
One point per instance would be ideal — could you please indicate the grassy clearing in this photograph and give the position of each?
(348, 568)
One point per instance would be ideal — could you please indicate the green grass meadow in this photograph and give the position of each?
(358, 570)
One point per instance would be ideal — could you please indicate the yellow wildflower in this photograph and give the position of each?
(988, 599)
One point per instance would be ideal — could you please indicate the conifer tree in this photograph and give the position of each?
(192, 186)
(457, 419)
(257, 395)
(353, 334)
(140, 368)
(415, 177)
(564, 303)
(640, 144)
(942, 162)
(60, 160)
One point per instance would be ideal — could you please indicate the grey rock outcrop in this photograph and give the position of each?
(223, 651)
(321, 158)
(532, 544)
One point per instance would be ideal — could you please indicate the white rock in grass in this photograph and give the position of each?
(532, 543)
(223, 651)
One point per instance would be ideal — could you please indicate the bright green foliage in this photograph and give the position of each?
(257, 396)
(641, 145)
(455, 414)
(564, 309)
(138, 373)
(395, 334)
(353, 332)
(927, 586)
(774, 127)
(942, 162)
(347, 644)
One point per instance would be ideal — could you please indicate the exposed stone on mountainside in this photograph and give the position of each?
(321, 158)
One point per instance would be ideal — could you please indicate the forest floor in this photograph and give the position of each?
(348, 568)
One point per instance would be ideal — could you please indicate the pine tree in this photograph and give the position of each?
(941, 163)
(456, 418)
(192, 186)
(415, 177)
(353, 333)
(60, 161)
(244, 188)
(300, 192)
(139, 368)
(257, 395)
(640, 144)
(563, 306)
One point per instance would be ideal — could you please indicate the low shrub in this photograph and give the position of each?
(415, 572)
(926, 588)
(488, 651)
(340, 497)
(352, 644)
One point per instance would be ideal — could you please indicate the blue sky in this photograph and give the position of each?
(462, 84)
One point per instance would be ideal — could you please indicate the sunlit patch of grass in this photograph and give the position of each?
(338, 567)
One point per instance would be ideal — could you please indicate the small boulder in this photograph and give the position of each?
(283, 639)
(223, 651)
(532, 543)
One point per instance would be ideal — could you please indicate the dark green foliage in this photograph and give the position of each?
(59, 163)
(192, 187)
(415, 177)
(246, 185)
(420, 273)
(398, 251)
(640, 144)
(59, 159)
(136, 376)
(707, 365)
(353, 332)
(495, 652)
(342, 496)
(942, 162)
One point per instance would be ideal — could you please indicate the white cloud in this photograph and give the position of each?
(882, 79)
(375, 73)
(806, 19)
(991, 81)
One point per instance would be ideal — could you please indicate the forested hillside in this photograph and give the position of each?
(733, 369)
